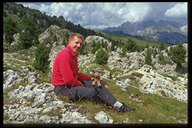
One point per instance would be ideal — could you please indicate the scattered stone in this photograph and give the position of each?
(103, 118)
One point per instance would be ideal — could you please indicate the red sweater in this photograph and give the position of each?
(66, 70)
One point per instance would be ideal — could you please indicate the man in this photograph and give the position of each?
(68, 81)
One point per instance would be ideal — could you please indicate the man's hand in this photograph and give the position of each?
(96, 79)
(97, 75)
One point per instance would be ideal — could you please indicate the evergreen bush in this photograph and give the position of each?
(101, 56)
(41, 58)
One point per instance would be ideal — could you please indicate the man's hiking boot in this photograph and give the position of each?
(125, 108)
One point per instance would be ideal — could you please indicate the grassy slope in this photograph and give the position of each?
(140, 43)
(154, 109)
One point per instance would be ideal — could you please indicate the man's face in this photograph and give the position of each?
(76, 43)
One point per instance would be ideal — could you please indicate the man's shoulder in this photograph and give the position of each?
(63, 52)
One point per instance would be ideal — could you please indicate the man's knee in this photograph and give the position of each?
(92, 92)
(86, 93)
(72, 94)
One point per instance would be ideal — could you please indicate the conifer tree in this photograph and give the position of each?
(41, 58)
(178, 55)
(148, 56)
(29, 33)
(9, 28)
(101, 56)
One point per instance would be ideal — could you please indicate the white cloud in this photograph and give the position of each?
(44, 8)
(178, 10)
(94, 14)
(135, 12)
(107, 14)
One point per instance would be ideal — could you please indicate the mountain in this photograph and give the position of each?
(164, 31)
(171, 37)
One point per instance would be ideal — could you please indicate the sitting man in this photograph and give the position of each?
(68, 81)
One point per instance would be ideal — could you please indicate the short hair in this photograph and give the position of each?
(72, 35)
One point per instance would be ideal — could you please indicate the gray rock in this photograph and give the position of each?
(10, 78)
(103, 118)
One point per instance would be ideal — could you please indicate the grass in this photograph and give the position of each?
(140, 43)
(7, 99)
(5, 116)
(55, 112)
(165, 108)
(19, 59)
(153, 110)
(174, 78)
(170, 110)
(43, 77)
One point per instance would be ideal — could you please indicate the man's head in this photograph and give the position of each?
(76, 41)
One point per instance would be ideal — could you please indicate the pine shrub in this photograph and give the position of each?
(41, 58)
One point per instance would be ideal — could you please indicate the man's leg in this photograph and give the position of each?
(98, 94)
(77, 93)
(103, 93)
(107, 98)
(82, 93)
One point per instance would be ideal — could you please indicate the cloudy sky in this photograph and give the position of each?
(110, 14)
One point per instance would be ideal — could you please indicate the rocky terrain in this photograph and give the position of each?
(29, 98)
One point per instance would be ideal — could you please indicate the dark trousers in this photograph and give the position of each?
(94, 93)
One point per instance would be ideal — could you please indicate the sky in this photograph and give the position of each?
(99, 15)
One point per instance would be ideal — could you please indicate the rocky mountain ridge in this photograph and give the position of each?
(154, 30)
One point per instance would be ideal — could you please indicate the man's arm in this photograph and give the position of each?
(83, 76)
